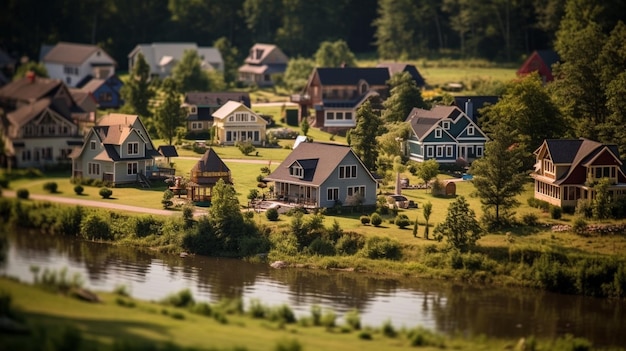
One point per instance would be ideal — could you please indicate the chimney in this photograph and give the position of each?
(469, 109)
(30, 75)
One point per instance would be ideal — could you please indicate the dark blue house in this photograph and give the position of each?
(106, 92)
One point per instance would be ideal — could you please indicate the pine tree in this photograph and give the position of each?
(170, 115)
(363, 136)
(189, 74)
(404, 96)
(137, 92)
(427, 211)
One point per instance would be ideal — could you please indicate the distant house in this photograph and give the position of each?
(471, 105)
(540, 61)
(118, 150)
(262, 62)
(41, 122)
(323, 175)
(87, 103)
(106, 92)
(72, 63)
(235, 122)
(444, 133)
(162, 57)
(205, 174)
(200, 107)
(566, 170)
(336, 93)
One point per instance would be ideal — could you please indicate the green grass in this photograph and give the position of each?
(102, 324)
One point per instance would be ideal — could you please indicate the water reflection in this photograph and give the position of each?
(445, 307)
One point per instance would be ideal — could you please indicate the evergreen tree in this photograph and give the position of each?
(189, 74)
(498, 177)
(404, 96)
(170, 115)
(460, 228)
(363, 136)
(230, 56)
(395, 29)
(304, 125)
(427, 211)
(226, 217)
(137, 92)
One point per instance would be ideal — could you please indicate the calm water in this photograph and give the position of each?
(444, 307)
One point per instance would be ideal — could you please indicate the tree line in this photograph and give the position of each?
(406, 29)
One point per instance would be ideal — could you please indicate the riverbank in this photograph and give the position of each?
(120, 322)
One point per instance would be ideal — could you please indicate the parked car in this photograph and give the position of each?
(400, 201)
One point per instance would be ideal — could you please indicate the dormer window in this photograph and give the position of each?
(445, 125)
(470, 130)
(438, 133)
(133, 148)
(193, 110)
(548, 167)
(296, 171)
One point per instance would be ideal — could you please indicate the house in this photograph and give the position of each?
(106, 92)
(336, 93)
(89, 104)
(323, 175)
(472, 105)
(444, 133)
(262, 62)
(205, 174)
(40, 126)
(235, 122)
(118, 150)
(566, 170)
(72, 63)
(162, 57)
(540, 61)
(200, 107)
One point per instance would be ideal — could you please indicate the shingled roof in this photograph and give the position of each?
(210, 162)
(352, 75)
(29, 89)
(216, 98)
(72, 53)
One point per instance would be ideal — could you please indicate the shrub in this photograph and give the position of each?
(282, 314)
(402, 221)
(96, 228)
(245, 147)
(271, 214)
(167, 198)
(388, 329)
(106, 193)
(23, 194)
(51, 187)
(580, 226)
(288, 345)
(377, 248)
(322, 247)
(365, 220)
(556, 212)
(349, 243)
(79, 189)
(375, 219)
(328, 319)
(353, 319)
(530, 219)
(183, 298)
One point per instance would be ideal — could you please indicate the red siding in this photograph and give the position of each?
(535, 63)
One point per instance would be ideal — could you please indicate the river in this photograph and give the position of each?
(450, 308)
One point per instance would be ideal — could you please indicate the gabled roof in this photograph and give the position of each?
(73, 53)
(216, 98)
(26, 90)
(24, 114)
(160, 54)
(320, 159)
(228, 108)
(80, 96)
(395, 67)
(167, 150)
(259, 52)
(210, 162)
(423, 121)
(549, 57)
(352, 75)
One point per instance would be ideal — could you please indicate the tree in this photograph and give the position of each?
(427, 211)
(499, 176)
(189, 74)
(460, 228)
(304, 126)
(170, 115)
(392, 140)
(137, 92)
(601, 205)
(363, 136)
(167, 199)
(415, 225)
(334, 54)
(225, 214)
(297, 73)
(230, 56)
(31, 66)
(395, 29)
(404, 96)
(428, 170)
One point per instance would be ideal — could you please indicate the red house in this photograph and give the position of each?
(540, 61)
(567, 170)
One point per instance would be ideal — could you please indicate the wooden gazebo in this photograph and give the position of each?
(205, 174)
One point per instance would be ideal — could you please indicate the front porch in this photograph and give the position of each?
(295, 194)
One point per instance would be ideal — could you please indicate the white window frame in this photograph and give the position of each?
(438, 133)
(439, 151)
(332, 194)
(430, 151)
(449, 151)
(132, 148)
(330, 115)
(92, 145)
(479, 151)
(93, 168)
(470, 130)
(445, 125)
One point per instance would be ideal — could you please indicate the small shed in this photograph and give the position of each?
(448, 189)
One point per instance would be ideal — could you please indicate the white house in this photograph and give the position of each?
(235, 122)
(162, 57)
(72, 63)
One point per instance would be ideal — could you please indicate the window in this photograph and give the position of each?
(439, 151)
(196, 125)
(448, 151)
(229, 136)
(241, 117)
(437, 133)
(193, 110)
(332, 194)
(470, 130)
(349, 115)
(479, 151)
(347, 172)
(132, 168)
(106, 97)
(93, 168)
(548, 166)
(353, 190)
(429, 151)
(256, 135)
(26, 155)
(445, 125)
(339, 115)
(133, 148)
(46, 153)
(330, 115)
(231, 119)
(70, 70)
(252, 119)
(296, 171)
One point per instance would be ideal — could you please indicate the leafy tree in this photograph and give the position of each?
(189, 74)
(261, 18)
(428, 170)
(167, 199)
(334, 54)
(395, 29)
(601, 205)
(404, 96)
(427, 211)
(460, 228)
(137, 92)
(230, 56)
(498, 177)
(170, 115)
(391, 141)
(31, 66)
(304, 126)
(226, 216)
(297, 73)
(363, 136)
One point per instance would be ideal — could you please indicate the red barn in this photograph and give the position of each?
(540, 61)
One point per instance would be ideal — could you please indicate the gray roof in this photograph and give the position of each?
(395, 67)
(168, 150)
(155, 53)
(73, 53)
(422, 120)
(318, 160)
(216, 98)
(352, 75)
